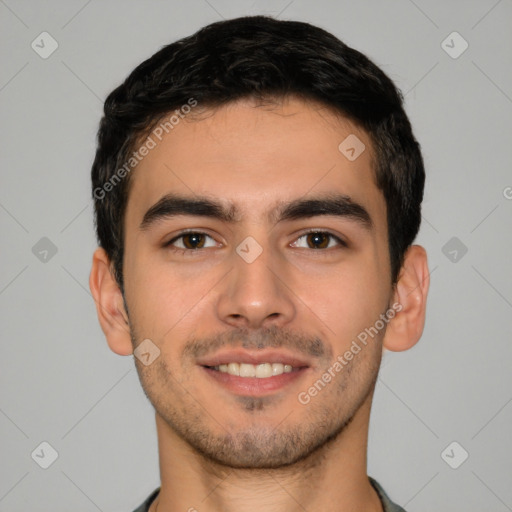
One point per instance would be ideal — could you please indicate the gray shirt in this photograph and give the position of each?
(387, 504)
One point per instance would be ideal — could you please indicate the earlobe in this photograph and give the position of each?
(411, 290)
(109, 302)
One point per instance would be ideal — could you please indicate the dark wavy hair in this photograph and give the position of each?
(262, 58)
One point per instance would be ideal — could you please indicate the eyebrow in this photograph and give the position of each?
(338, 205)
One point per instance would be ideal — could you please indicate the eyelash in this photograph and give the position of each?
(169, 245)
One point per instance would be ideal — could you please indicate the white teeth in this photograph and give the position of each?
(233, 369)
(260, 371)
(264, 370)
(247, 370)
(277, 368)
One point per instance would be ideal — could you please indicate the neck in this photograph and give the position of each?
(331, 479)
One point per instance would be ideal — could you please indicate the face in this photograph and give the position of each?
(254, 246)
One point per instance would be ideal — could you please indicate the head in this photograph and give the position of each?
(288, 157)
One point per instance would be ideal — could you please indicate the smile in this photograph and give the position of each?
(260, 371)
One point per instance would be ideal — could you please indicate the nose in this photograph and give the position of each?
(255, 294)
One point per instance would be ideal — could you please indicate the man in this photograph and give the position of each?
(257, 191)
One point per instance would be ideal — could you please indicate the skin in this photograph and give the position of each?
(218, 450)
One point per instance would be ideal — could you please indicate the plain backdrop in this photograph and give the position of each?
(59, 382)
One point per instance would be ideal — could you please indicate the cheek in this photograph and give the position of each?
(352, 310)
(349, 299)
(165, 299)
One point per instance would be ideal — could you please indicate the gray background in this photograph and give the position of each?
(60, 383)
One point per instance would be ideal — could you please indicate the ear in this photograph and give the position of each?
(411, 290)
(110, 308)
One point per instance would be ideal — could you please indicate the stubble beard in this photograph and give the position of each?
(293, 440)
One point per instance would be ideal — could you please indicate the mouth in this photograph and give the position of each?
(254, 374)
(260, 371)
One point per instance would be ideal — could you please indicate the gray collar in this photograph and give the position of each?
(387, 504)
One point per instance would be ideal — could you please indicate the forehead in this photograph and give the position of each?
(255, 156)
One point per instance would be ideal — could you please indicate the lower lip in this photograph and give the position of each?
(254, 386)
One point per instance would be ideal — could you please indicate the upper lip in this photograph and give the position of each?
(253, 357)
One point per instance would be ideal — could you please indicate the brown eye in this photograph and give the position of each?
(190, 241)
(319, 240)
(193, 240)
